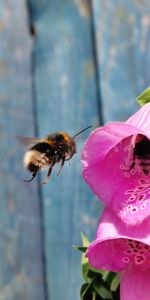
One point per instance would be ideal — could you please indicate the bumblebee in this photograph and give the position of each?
(46, 152)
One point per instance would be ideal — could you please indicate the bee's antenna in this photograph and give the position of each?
(81, 131)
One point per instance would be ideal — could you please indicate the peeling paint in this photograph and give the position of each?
(84, 7)
(19, 53)
(14, 286)
(146, 20)
(88, 68)
(144, 32)
(5, 19)
(3, 69)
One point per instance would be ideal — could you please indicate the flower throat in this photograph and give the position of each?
(141, 153)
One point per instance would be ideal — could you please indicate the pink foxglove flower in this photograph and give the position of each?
(123, 249)
(116, 165)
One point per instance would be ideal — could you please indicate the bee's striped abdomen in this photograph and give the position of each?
(44, 147)
(35, 160)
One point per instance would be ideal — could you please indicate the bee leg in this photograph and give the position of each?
(33, 176)
(48, 174)
(61, 166)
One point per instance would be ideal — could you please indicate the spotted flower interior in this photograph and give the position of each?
(136, 252)
(116, 165)
(121, 178)
(138, 156)
(118, 254)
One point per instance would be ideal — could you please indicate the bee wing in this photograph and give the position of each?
(28, 141)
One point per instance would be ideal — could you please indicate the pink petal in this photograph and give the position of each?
(101, 160)
(106, 159)
(105, 138)
(135, 285)
(110, 249)
(141, 119)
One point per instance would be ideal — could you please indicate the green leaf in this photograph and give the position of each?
(108, 276)
(94, 295)
(80, 248)
(84, 260)
(85, 241)
(116, 294)
(102, 288)
(85, 272)
(102, 291)
(101, 272)
(88, 272)
(86, 291)
(115, 283)
(144, 98)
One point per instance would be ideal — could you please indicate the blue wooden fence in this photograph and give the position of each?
(64, 65)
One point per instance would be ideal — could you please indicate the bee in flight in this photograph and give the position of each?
(46, 152)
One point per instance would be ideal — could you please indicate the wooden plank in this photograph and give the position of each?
(66, 97)
(122, 35)
(21, 269)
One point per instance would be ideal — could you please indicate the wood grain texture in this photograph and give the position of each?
(122, 30)
(21, 269)
(66, 98)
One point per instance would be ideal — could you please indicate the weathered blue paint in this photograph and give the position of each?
(122, 35)
(66, 99)
(21, 268)
(56, 89)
